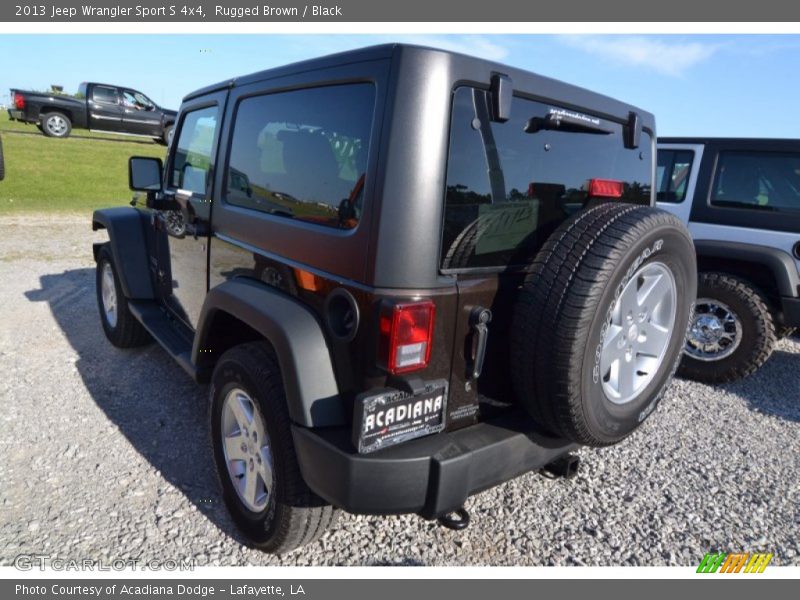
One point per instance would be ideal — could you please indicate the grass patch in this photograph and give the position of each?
(77, 174)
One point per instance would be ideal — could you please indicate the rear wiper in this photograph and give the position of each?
(566, 122)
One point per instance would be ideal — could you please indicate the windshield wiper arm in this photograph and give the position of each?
(566, 123)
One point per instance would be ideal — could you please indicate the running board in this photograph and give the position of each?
(171, 335)
(137, 135)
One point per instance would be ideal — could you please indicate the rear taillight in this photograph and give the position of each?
(406, 336)
(605, 188)
(19, 101)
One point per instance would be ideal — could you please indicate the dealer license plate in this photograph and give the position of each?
(391, 417)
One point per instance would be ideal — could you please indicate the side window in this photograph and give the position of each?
(672, 176)
(137, 100)
(105, 95)
(192, 161)
(303, 154)
(758, 181)
(510, 185)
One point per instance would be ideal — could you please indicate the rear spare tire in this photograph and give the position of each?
(600, 322)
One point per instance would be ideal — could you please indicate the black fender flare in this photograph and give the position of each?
(780, 263)
(295, 334)
(126, 234)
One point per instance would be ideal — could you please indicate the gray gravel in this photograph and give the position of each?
(102, 455)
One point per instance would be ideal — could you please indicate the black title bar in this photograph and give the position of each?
(404, 11)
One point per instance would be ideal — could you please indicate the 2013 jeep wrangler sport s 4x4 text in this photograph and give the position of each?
(408, 276)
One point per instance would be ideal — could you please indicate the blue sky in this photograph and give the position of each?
(716, 85)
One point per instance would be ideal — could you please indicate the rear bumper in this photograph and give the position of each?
(15, 115)
(791, 311)
(429, 476)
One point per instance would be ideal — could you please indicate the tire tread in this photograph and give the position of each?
(551, 320)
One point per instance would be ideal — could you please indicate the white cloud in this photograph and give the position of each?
(667, 58)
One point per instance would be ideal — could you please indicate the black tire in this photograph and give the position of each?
(126, 332)
(565, 306)
(2, 162)
(757, 330)
(164, 139)
(294, 515)
(48, 125)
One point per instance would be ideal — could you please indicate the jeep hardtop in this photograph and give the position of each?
(740, 198)
(408, 275)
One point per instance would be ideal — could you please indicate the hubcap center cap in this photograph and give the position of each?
(633, 333)
(708, 329)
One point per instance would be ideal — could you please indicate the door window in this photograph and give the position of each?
(105, 95)
(672, 176)
(136, 100)
(192, 161)
(758, 181)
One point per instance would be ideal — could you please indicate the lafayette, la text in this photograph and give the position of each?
(154, 589)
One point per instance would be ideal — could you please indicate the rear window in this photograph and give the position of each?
(672, 175)
(303, 154)
(758, 181)
(509, 185)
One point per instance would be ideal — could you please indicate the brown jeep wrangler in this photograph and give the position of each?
(408, 275)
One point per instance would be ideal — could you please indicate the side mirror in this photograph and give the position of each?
(144, 173)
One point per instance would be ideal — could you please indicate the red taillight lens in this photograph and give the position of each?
(406, 336)
(19, 101)
(605, 188)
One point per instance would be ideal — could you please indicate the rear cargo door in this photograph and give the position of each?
(509, 186)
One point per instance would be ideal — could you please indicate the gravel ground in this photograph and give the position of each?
(102, 455)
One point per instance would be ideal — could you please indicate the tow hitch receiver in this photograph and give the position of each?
(455, 520)
(565, 466)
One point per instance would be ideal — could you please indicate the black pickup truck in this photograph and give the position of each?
(96, 106)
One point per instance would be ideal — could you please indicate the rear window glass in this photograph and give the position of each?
(672, 175)
(303, 154)
(758, 181)
(509, 185)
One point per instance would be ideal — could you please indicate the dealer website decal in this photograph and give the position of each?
(734, 563)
